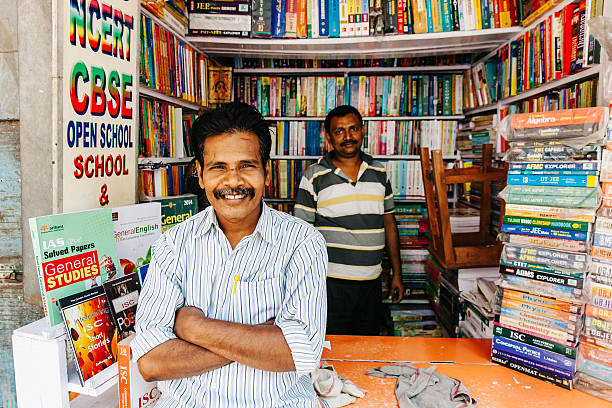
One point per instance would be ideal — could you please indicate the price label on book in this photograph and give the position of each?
(99, 102)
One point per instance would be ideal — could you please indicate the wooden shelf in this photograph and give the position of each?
(457, 68)
(401, 45)
(365, 118)
(377, 157)
(591, 71)
(155, 94)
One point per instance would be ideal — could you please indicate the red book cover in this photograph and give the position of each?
(91, 331)
(400, 16)
(513, 12)
(496, 13)
(372, 97)
(568, 13)
(575, 33)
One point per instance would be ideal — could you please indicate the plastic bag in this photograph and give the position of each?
(599, 27)
(571, 197)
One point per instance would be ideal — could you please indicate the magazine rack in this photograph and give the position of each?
(43, 377)
(466, 250)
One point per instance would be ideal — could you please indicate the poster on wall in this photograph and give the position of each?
(99, 129)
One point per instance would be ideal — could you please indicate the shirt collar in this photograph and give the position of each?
(327, 159)
(264, 226)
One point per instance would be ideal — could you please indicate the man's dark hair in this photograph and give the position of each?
(340, 112)
(231, 118)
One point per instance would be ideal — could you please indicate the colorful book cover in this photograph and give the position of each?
(136, 228)
(219, 84)
(175, 210)
(73, 252)
(122, 294)
(261, 18)
(134, 391)
(91, 331)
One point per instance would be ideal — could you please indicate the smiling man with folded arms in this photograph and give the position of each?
(233, 310)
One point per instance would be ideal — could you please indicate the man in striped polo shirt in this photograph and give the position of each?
(347, 196)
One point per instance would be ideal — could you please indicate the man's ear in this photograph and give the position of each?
(200, 177)
(268, 167)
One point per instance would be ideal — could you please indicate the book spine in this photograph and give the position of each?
(544, 301)
(533, 372)
(554, 166)
(548, 223)
(545, 180)
(323, 19)
(334, 18)
(538, 275)
(528, 339)
(602, 240)
(558, 327)
(545, 232)
(538, 364)
(535, 328)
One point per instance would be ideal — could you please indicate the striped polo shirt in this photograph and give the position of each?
(348, 214)
(276, 272)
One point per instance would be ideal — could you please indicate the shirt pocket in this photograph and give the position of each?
(257, 301)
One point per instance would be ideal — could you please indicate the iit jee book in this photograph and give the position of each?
(73, 252)
(91, 333)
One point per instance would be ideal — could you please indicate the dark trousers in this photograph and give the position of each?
(354, 307)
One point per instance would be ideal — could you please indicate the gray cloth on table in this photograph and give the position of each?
(424, 388)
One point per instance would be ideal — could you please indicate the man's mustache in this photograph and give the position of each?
(248, 191)
(348, 141)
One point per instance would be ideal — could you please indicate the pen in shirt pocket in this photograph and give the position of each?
(236, 280)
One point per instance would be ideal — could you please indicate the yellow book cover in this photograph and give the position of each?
(478, 13)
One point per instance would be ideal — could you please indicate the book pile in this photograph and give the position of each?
(442, 290)
(413, 270)
(464, 220)
(594, 361)
(412, 224)
(220, 18)
(478, 305)
(480, 130)
(415, 320)
(247, 63)
(406, 178)
(551, 197)
(91, 265)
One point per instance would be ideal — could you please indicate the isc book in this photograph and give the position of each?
(122, 294)
(91, 333)
(175, 210)
(136, 228)
(134, 391)
(73, 252)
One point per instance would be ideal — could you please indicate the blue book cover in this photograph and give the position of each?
(555, 173)
(430, 108)
(323, 18)
(331, 94)
(544, 277)
(385, 95)
(545, 232)
(602, 240)
(153, 81)
(548, 289)
(420, 92)
(535, 353)
(597, 370)
(520, 359)
(555, 166)
(278, 19)
(259, 93)
(429, 16)
(354, 90)
(545, 180)
(333, 7)
(445, 16)
(485, 13)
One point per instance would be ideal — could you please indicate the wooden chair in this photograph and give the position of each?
(466, 250)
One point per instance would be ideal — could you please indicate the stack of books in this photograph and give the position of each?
(227, 18)
(594, 372)
(551, 197)
(464, 220)
(476, 132)
(250, 63)
(412, 224)
(478, 304)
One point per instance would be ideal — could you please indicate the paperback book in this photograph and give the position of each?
(73, 252)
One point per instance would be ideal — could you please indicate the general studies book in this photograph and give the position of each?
(91, 334)
(74, 252)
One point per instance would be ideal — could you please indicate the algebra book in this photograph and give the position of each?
(91, 333)
(73, 252)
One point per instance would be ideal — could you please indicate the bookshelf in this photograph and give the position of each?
(446, 69)
(147, 91)
(365, 118)
(401, 45)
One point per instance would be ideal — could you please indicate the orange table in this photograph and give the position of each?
(492, 385)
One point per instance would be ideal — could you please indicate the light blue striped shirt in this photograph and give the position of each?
(282, 268)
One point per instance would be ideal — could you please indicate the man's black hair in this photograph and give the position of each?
(340, 112)
(231, 118)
